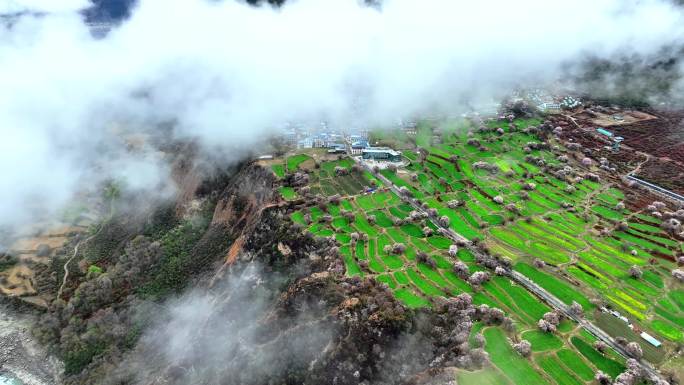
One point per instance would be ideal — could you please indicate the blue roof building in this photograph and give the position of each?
(604, 132)
(650, 339)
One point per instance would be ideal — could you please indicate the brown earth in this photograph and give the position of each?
(20, 280)
(655, 134)
(609, 117)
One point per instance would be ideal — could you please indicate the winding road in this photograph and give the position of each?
(522, 280)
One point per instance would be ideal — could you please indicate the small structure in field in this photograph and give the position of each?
(615, 139)
(650, 339)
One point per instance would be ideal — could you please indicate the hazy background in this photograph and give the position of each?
(225, 73)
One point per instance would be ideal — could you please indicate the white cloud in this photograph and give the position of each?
(53, 6)
(225, 71)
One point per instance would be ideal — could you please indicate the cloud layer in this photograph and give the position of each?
(224, 74)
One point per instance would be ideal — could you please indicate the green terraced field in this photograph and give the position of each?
(560, 375)
(542, 341)
(279, 170)
(602, 362)
(294, 161)
(497, 205)
(482, 377)
(288, 193)
(558, 288)
(515, 367)
(576, 364)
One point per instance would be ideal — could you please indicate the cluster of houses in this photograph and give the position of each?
(546, 102)
(336, 141)
(298, 136)
(647, 337)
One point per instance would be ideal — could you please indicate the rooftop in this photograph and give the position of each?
(650, 339)
(382, 149)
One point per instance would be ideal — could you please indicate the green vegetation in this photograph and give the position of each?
(515, 367)
(542, 341)
(667, 330)
(482, 377)
(576, 364)
(75, 361)
(279, 170)
(294, 161)
(288, 193)
(410, 299)
(493, 187)
(554, 286)
(607, 365)
(176, 264)
(552, 367)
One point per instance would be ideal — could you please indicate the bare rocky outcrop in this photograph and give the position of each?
(21, 355)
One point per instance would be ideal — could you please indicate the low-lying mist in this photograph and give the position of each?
(74, 109)
(217, 336)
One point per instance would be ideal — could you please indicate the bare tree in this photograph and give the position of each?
(461, 270)
(479, 340)
(600, 346)
(552, 317)
(398, 248)
(538, 263)
(634, 350)
(545, 326)
(524, 348)
(678, 274)
(444, 221)
(671, 225)
(453, 251)
(602, 378)
(478, 278)
(404, 191)
(576, 309)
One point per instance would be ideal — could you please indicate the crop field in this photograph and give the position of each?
(566, 358)
(536, 215)
(415, 283)
(502, 189)
(373, 215)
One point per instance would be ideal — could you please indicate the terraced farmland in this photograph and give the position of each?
(526, 201)
(515, 197)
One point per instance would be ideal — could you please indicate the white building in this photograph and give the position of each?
(650, 339)
(549, 106)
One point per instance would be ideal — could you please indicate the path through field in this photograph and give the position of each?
(525, 282)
